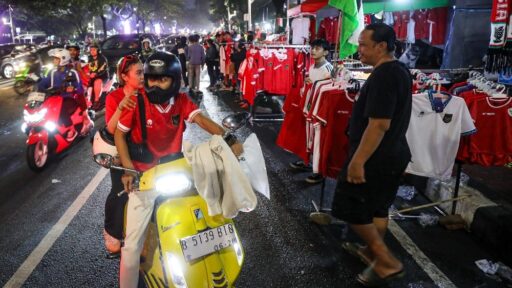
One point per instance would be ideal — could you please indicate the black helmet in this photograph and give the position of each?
(162, 64)
(96, 45)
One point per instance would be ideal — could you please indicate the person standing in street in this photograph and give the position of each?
(181, 50)
(196, 60)
(378, 154)
(212, 60)
(320, 70)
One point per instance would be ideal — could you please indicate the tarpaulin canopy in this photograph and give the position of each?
(391, 6)
(311, 6)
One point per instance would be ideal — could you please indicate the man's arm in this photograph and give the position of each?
(371, 139)
(213, 128)
(208, 125)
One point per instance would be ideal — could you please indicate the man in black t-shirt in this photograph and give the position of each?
(378, 154)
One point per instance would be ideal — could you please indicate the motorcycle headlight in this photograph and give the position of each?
(178, 278)
(50, 126)
(19, 65)
(173, 184)
(24, 127)
(35, 117)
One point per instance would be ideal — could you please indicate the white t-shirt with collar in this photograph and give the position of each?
(434, 138)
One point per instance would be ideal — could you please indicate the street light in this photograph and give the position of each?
(249, 3)
(9, 23)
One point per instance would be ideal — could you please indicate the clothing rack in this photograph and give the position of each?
(281, 46)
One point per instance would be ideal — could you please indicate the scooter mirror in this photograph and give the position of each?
(105, 160)
(235, 121)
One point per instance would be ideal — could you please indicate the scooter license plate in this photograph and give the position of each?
(207, 242)
(36, 97)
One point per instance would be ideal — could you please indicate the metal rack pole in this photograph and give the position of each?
(457, 185)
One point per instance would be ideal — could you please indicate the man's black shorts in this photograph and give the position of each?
(360, 203)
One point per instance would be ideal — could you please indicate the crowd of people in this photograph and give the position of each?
(152, 85)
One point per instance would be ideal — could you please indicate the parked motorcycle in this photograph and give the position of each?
(25, 80)
(52, 123)
(184, 246)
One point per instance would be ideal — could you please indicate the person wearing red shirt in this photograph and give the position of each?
(131, 79)
(165, 112)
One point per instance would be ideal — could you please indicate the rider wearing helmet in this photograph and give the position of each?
(76, 63)
(67, 79)
(146, 49)
(166, 110)
(57, 76)
(98, 71)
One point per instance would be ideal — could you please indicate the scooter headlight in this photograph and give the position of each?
(24, 127)
(178, 278)
(50, 126)
(173, 184)
(35, 117)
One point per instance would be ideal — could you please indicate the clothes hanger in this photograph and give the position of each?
(499, 92)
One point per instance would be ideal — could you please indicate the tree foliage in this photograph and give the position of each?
(69, 17)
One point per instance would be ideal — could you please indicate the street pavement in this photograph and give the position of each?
(51, 222)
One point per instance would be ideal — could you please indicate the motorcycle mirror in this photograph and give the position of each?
(104, 160)
(236, 121)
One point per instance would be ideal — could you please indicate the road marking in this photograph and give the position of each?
(24, 271)
(439, 278)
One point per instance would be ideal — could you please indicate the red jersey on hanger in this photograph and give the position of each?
(333, 115)
(283, 72)
(492, 144)
(437, 18)
(422, 26)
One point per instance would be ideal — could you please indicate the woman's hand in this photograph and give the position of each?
(127, 103)
(127, 180)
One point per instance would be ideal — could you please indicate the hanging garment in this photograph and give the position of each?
(434, 137)
(300, 30)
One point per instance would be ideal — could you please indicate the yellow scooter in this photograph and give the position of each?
(184, 246)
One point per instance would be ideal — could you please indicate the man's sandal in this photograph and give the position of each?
(355, 249)
(369, 278)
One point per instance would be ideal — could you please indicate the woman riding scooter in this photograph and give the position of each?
(131, 80)
(166, 110)
(98, 73)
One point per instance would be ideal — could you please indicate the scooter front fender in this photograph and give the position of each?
(175, 219)
(34, 137)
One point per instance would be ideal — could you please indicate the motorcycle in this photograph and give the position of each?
(184, 245)
(52, 123)
(25, 80)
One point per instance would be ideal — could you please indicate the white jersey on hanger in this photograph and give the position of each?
(300, 30)
(411, 37)
(434, 137)
(388, 18)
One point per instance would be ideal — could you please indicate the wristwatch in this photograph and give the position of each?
(229, 138)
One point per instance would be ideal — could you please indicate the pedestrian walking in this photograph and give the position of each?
(378, 154)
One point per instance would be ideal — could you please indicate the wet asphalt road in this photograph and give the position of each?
(282, 248)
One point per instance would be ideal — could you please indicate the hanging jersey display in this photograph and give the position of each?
(434, 133)
(492, 145)
(300, 30)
